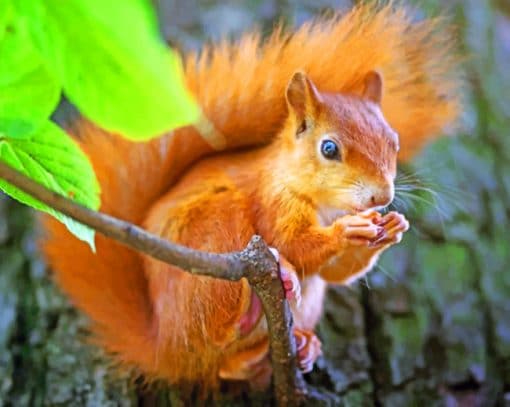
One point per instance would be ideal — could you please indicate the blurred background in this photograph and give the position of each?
(429, 326)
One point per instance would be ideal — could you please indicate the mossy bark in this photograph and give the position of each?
(429, 326)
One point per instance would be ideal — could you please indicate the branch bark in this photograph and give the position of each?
(255, 262)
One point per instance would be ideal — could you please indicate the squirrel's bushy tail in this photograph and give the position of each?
(110, 285)
(241, 86)
(241, 90)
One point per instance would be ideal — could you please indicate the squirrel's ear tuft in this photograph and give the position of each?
(373, 87)
(302, 96)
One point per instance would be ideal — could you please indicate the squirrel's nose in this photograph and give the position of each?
(382, 197)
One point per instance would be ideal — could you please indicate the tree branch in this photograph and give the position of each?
(255, 262)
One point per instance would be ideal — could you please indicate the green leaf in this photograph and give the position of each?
(51, 157)
(16, 128)
(113, 63)
(27, 90)
(5, 14)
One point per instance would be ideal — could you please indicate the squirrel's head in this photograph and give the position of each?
(343, 151)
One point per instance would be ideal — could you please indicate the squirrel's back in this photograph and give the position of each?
(240, 88)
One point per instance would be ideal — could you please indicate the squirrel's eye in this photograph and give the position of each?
(330, 150)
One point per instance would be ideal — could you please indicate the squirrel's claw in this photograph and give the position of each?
(289, 277)
(308, 349)
(371, 229)
(361, 229)
(394, 225)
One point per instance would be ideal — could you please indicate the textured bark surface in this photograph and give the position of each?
(430, 326)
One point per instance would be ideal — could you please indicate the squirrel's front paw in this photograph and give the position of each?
(360, 229)
(394, 225)
(289, 277)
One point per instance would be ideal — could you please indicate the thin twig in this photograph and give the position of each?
(255, 262)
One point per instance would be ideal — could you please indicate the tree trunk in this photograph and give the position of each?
(429, 326)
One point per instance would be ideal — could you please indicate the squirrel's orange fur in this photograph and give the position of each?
(185, 328)
(238, 85)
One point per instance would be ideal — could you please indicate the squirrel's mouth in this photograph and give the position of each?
(377, 208)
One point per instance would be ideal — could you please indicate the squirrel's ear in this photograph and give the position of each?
(302, 96)
(373, 87)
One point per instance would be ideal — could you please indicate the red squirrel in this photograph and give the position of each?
(309, 135)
